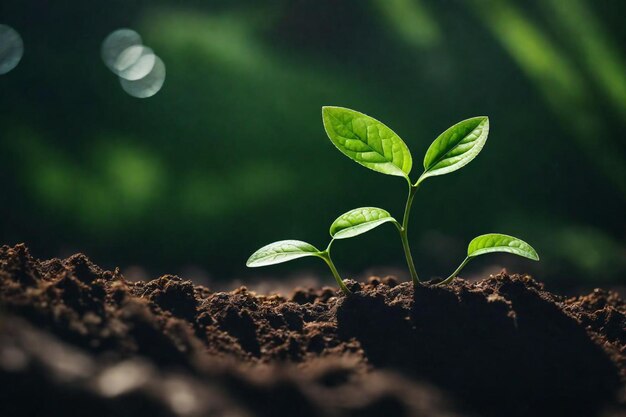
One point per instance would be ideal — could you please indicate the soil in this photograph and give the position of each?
(76, 340)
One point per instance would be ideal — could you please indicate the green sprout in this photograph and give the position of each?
(350, 224)
(494, 242)
(372, 144)
(286, 250)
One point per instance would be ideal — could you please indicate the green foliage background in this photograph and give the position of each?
(231, 154)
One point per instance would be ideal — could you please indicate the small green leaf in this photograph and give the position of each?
(367, 141)
(456, 147)
(358, 221)
(495, 242)
(282, 251)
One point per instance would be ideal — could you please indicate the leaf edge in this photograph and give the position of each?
(484, 251)
(303, 254)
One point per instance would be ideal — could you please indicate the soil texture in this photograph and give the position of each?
(76, 340)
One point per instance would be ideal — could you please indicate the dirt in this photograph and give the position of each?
(76, 340)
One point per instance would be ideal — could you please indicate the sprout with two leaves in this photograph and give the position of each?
(370, 143)
(350, 224)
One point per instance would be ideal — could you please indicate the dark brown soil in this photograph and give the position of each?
(79, 341)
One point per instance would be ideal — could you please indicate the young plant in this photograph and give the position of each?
(372, 144)
(494, 242)
(287, 250)
(350, 224)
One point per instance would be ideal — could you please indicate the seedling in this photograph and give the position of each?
(494, 242)
(286, 250)
(350, 224)
(370, 143)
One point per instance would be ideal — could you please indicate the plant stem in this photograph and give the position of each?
(325, 255)
(456, 272)
(404, 234)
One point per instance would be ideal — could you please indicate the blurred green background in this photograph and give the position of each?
(231, 154)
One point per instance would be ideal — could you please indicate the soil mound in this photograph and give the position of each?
(78, 340)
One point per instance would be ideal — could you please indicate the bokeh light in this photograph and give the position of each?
(134, 63)
(117, 42)
(11, 48)
(140, 71)
(148, 85)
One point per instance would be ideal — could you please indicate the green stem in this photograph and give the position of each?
(456, 272)
(403, 229)
(325, 255)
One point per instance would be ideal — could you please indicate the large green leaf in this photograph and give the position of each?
(367, 141)
(358, 221)
(282, 251)
(456, 147)
(495, 242)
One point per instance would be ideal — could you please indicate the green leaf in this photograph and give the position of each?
(358, 221)
(367, 141)
(495, 242)
(456, 147)
(282, 251)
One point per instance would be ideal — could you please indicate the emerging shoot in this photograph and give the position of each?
(494, 242)
(286, 250)
(353, 223)
(372, 144)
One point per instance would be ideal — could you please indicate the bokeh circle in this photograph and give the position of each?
(11, 48)
(148, 85)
